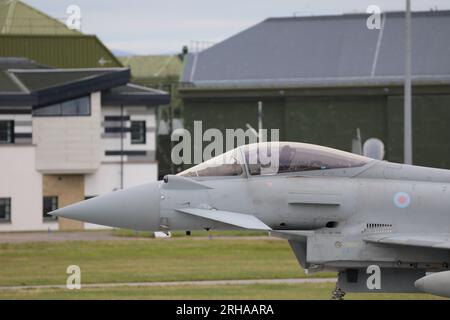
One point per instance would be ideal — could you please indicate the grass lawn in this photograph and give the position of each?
(257, 291)
(147, 260)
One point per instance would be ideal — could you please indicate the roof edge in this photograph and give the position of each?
(315, 83)
(359, 14)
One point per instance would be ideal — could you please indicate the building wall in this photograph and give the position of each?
(135, 168)
(66, 157)
(108, 177)
(23, 184)
(69, 145)
(431, 130)
(222, 114)
(332, 119)
(111, 141)
(22, 124)
(69, 189)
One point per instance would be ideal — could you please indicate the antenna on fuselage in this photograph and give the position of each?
(260, 121)
(357, 143)
(258, 134)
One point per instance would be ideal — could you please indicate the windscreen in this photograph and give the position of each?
(227, 164)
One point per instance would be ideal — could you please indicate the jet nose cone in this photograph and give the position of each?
(134, 208)
(420, 285)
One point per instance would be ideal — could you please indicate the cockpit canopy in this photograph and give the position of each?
(270, 158)
(227, 164)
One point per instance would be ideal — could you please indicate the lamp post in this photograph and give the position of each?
(407, 89)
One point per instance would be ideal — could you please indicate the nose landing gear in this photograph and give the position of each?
(337, 293)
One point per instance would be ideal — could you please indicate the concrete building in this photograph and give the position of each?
(322, 77)
(67, 135)
(161, 72)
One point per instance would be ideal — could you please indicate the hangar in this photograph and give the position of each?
(322, 77)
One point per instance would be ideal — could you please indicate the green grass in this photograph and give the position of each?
(257, 291)
(150, 260)
(147, 260)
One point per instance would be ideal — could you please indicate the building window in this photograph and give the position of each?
(5, 209)
(50, 204)
(72, 108)
(6, 132)
(138, 131)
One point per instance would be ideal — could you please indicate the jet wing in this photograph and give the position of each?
(246, 221)
(434, 241)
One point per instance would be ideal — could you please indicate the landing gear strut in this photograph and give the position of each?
(337, 293)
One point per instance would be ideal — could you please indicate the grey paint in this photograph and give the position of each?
(334, 219)
(388, 282)
(245, 221)
(436, 283)
(115, 209)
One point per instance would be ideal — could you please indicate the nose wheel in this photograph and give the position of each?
(337, 293)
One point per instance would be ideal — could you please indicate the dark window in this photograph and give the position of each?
(50, 204)
(117, 118)
(5, 209)
(116, 129)
(126, 153)
(7, 131)
(352, 275)
(53, 110)
(76, 107)
(138, 131)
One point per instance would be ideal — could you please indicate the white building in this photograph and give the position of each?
(67, 135)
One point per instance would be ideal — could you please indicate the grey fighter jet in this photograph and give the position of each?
(384, 227)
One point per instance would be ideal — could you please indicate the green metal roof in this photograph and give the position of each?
(70, 51)
(29, 33)
(153, 66)
(16, 17)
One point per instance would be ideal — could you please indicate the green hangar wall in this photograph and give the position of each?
(332, 120)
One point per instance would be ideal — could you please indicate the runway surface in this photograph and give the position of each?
(103, 235)
(181, 283)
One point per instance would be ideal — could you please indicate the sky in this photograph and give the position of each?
(161, 27)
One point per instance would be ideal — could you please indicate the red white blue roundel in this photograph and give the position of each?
(402, 200)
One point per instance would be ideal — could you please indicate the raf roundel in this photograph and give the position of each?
(402, 200)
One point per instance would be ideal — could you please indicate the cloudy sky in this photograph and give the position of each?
(155, 26)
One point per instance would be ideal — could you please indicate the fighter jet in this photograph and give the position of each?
(382, 226)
